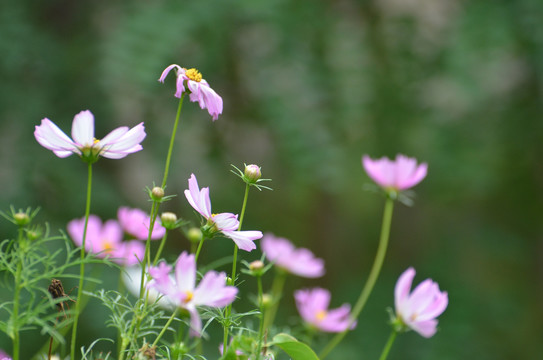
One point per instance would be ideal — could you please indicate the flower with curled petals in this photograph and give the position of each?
(400, 174)
(115, 145)
(226, 223)
(419, 309)
(135, 222)
(106, 240)
(183, 292)
(199, 89)
(284, 255)
(313, 305)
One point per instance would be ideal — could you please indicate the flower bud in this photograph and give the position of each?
(266, 300)
(256, 265)
(168, 220)
(21, 218)
(252, 173)
(194, 235)
(157, 193)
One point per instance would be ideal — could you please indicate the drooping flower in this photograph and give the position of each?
(418, 310)
(183, 292)
(298, 261)
(200, 91)
(400, 174)
(135, 222)
(313, 305)
(106, 240)
(226, 223)
(116, 145)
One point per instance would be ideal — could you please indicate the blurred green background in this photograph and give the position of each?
(308, 87)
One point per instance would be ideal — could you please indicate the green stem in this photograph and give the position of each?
(172, 141)
(147, 256)
(165, 327)
(82, 266)
(199, 249)
(276, 293)
(16, 297)
(160, 248)
(372, 278)
(234, 263)
(388, 345)
(261, 325)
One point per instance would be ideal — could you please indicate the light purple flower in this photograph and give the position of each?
(135, 222)
(398, 175)
(4, 356)
(299, 261)
(226, 223)
(106, 240)
(313, 305)
(116, 145)
(211, 291)
(199, 89)
(419, 309)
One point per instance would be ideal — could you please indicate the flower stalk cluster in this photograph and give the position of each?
(185, 294)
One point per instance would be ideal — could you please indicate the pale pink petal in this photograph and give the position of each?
(198, 199)
(403, 286)
(212, 290)
(185, 272)
(51, 137)
(124, 145)
(426, 328)
(83, 128)
(128, 253)
(244, 239)
(166, 71)
(226, 221)
(195, 322)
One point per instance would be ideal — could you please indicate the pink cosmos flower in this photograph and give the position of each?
(106, 240)
(198, 87)
(419, 309)
(226, 223)
(4, 356)
(211, 291)
(300, 261)
(116, 145)
(135, 222)
(313, 305)
(398, 175)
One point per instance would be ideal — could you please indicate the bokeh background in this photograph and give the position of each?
(308, 87)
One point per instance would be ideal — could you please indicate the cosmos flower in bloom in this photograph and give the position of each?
(135, 222)
(283, 254)
(115, 145)
(400, 174)
(418, 310)
(199, 89)
(106, 240)
(183, 292)
(226, 223)
(313, 305)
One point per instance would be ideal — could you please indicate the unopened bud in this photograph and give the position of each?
(229, 281)
(157, 193)
(252, 173)
(194, 235)
(256, 265)
(21, 218)
(266, 300)
(168, 220)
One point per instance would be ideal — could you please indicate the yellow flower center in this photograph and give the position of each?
(189, 297)
(108, 246)
(194, 74)
(321, 315)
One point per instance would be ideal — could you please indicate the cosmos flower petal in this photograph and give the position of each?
(83, 128)
(213, 291)
(244, 239)
(185, 272)
(51, 137)
(400, 174)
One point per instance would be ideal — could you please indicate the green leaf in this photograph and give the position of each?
(297, 350)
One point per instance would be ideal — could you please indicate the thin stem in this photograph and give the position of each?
(160, 248)
(172, 141)
(165, 327)
(16, 296)
(234, 263)
(261, 325)
(372, 278)
(199, 249)
(82, 266)
(147, 256)
(388, 345)
(276, 293)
